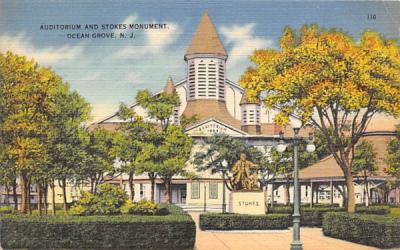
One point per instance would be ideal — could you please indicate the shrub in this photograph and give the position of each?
(312, 217)
(107, 201)
(6, 210)
(216, 221)
(143, 207)
(373, 230)
(174, 231)
(280, 210)
(395, 212)
(381, 210)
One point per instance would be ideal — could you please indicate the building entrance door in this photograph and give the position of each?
(178, 194)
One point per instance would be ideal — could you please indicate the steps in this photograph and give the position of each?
(200, 207)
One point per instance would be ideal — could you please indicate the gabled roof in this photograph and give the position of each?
(206, 40)
(217, 121)
(104, 120)
(206, 109)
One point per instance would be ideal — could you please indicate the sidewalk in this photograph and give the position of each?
(312, 239)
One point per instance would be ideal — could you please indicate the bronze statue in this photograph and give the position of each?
(245, 175)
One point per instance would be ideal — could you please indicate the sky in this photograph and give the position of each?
(108, 71)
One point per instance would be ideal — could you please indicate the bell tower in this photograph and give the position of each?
(206, 61)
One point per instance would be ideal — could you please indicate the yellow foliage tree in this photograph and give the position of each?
(331, 82)
(28, 93)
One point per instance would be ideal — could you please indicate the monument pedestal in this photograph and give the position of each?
(248, 202)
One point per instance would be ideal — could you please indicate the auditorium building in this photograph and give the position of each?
(221, 106)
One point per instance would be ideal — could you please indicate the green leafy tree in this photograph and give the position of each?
(100, 158)
(365, 163)
(393, 157)
(131, 143)
(222, 147)
(174, 152)
(68, 141)
(160, 108)
(331, 82)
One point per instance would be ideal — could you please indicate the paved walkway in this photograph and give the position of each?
(312, 239)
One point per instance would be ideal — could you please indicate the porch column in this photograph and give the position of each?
(312, 194)
(331, 192)
(316, 193)
(272, 196)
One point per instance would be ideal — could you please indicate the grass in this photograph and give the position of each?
(395, 212)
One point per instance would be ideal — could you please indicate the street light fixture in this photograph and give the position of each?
(281, 147)
(223, 168)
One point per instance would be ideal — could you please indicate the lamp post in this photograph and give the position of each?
(296, 140)
(223, 169)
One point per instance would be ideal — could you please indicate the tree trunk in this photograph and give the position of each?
(351, 205)
(6, 201)
(167, 184)
(24, 194)
(15, 198)
(91, 185)
(131, 187)
(366, 196)
(39, 198)
(153, 182)
(53, 198)
(265, 198)
(45, 204)
(29, 198)
(287, 194)
(64, 190)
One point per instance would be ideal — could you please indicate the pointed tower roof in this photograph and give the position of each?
(205, 40)
(169, 88)
(245, 99)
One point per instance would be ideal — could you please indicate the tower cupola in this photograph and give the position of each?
(170, 89)
(206, 60)
(250, 114)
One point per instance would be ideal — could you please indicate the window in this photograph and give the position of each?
(213, 190)
(324, 195)
(142, 189)
(195, 190)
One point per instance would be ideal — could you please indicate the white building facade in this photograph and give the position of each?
(221, 107)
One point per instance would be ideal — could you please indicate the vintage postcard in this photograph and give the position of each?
(199, 124)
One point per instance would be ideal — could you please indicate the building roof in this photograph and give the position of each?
(246, 100)
(169, 88)
(110, 126)
(206, 109)
(206, 40)
(328, 167)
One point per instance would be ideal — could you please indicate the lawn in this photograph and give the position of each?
(395, 211)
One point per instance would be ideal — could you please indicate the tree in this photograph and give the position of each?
(67, 141)
(174, 152)
(364, 162)
(27, 103)
(131, 143)
(330, 82)
(100, 158)
(223, 147)
(160, 108)
(393, 157)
